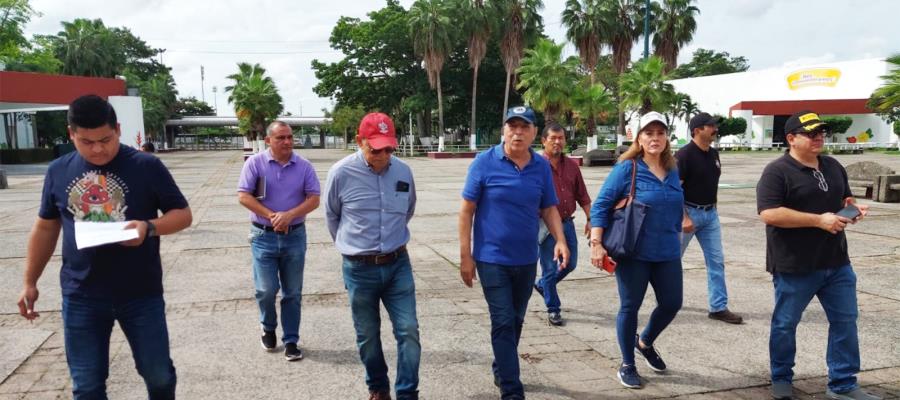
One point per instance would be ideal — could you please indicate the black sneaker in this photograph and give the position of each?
(654, 361)
(628, 377)
(539, 289)
(292, 352)
(268, 340)
(555, 319)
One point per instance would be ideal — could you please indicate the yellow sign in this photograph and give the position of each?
(813, 77)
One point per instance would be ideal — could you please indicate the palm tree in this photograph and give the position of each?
(549, 80)
(644, 87)
(518, 16)
(885, 100)
(477, 25)
(619, 19)
(675, 27)
(583, 29)
(158, 98)
(86, 48)
(256, 100)
(430, 26)
(589, 103)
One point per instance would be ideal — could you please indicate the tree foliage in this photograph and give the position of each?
(548, 79)
(731, 126)
(885, 100)
(674, 27)
(644, 87)
(255, 98)
(707, 62)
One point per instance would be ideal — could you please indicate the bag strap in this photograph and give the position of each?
(633, 177)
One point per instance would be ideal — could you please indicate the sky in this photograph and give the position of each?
(285, 36)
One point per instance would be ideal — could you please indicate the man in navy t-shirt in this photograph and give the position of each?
(104, 182)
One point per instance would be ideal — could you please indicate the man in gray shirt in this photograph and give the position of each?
(370, 199)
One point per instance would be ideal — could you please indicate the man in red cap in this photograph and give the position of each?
(371, 196)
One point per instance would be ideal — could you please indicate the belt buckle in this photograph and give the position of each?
(380, 257)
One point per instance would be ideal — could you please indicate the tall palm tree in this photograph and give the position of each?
(517, 16)
(591, 102)
(583, 28)
(85, 48)
(478, 22)
(549, 79)
(256, 100)
(430, 27)
(619, 19)
(674, 27)
(644, 88)
(885, 100)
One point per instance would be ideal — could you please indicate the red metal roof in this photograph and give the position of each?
(788, 107)
(28, 87)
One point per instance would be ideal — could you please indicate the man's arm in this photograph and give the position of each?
(466, 261)
(251, 203)
(170, 222)
(332, 204)
(41, 244)
(550, 215)
(282, 220)
(784, 217)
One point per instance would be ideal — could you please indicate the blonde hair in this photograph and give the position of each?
(665, 158)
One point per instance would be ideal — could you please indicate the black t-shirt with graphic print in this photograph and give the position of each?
(785, 182)
(133, 186)
(700, 171)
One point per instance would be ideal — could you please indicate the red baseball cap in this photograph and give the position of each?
(378, 130)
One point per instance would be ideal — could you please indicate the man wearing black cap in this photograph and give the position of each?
(699, 168)
(798, 196)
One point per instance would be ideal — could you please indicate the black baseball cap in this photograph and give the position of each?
(804, 121)
(701, 120)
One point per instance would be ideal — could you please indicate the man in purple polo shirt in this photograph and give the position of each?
(279, 188)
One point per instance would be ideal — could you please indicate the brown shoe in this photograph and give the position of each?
(726, 316)
(384, 395)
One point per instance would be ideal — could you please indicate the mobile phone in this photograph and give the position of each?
(608, 264)
(849, 212)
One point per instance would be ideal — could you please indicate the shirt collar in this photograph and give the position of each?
(498, 151)
(268, 157)
(361, 158)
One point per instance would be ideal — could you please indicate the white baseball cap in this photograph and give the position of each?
(650, 118)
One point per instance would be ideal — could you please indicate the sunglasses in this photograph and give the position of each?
(823, 184)
(814, 134)
(389, 150)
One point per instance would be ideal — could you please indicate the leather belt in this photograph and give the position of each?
(272, 229)
(379, 259)
(569, 218)
(704, 207)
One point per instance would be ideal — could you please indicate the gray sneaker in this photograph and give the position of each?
(782, 390)
(555, 319)
(855, 394)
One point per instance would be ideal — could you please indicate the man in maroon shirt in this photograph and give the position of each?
(569, 189)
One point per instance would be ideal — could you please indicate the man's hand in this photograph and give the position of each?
(141, 227)
(587, 228)
(687, 225)
(831, 223)
(281, 220)
(26, 302)
(467, 269)
(561, 254)
(597, 254)
(863, 209)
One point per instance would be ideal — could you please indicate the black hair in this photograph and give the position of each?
(90, 112)
(554, 127)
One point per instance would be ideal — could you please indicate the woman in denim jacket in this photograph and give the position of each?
(657, 258)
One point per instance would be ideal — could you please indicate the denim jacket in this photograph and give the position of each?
(660, 237)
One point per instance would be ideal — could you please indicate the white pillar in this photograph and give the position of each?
(441, 143)
(472, 140)
(747, 136)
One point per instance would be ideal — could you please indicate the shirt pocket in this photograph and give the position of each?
(398, 202)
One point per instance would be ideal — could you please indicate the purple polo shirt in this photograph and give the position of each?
(286, 185)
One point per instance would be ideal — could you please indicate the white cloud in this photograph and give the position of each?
(748, 8)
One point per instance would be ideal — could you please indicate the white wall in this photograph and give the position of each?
(130, 113)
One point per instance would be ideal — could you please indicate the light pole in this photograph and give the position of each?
(215, 100)
(202, 88)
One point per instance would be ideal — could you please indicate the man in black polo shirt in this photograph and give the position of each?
(806, 252)
(699, 169)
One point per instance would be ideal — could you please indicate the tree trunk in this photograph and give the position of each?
(505, 99)
(591, 120)
(440, 109)
(472, 137)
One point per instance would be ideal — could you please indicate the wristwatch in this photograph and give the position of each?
(151, 229)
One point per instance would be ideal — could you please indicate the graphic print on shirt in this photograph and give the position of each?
(97, 196)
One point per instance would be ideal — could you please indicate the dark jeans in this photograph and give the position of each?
(278, 262)
(393, 285)
(632, 277)
(507, 289)
(88, 324)
(550, 273)
(836, 290)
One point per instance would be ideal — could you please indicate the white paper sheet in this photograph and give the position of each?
(90, 234)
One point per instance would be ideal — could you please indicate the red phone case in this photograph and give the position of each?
(609, 265)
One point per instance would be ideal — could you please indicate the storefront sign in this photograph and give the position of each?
(813, 77)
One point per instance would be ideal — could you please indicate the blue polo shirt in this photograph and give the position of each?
(660, 236)
(508, 204)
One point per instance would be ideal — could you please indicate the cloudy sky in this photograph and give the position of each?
(284, 36)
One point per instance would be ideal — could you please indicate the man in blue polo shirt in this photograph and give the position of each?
(104, 182)
(507, 189)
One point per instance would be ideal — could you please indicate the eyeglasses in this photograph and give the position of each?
(814, 134)
(389, 150)
(823, 184)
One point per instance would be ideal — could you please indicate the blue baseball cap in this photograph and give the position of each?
(524, 113)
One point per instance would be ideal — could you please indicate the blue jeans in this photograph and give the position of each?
(507, 289)
(88, 324)
(393, 285)
(632, 277)
(279, 259)
(836, 290)
(709, 234)
(550, 273)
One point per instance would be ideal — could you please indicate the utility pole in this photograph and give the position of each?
(202, 89)
(647, 29)
(215, 100)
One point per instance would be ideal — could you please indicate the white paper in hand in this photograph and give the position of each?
(91, 234)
